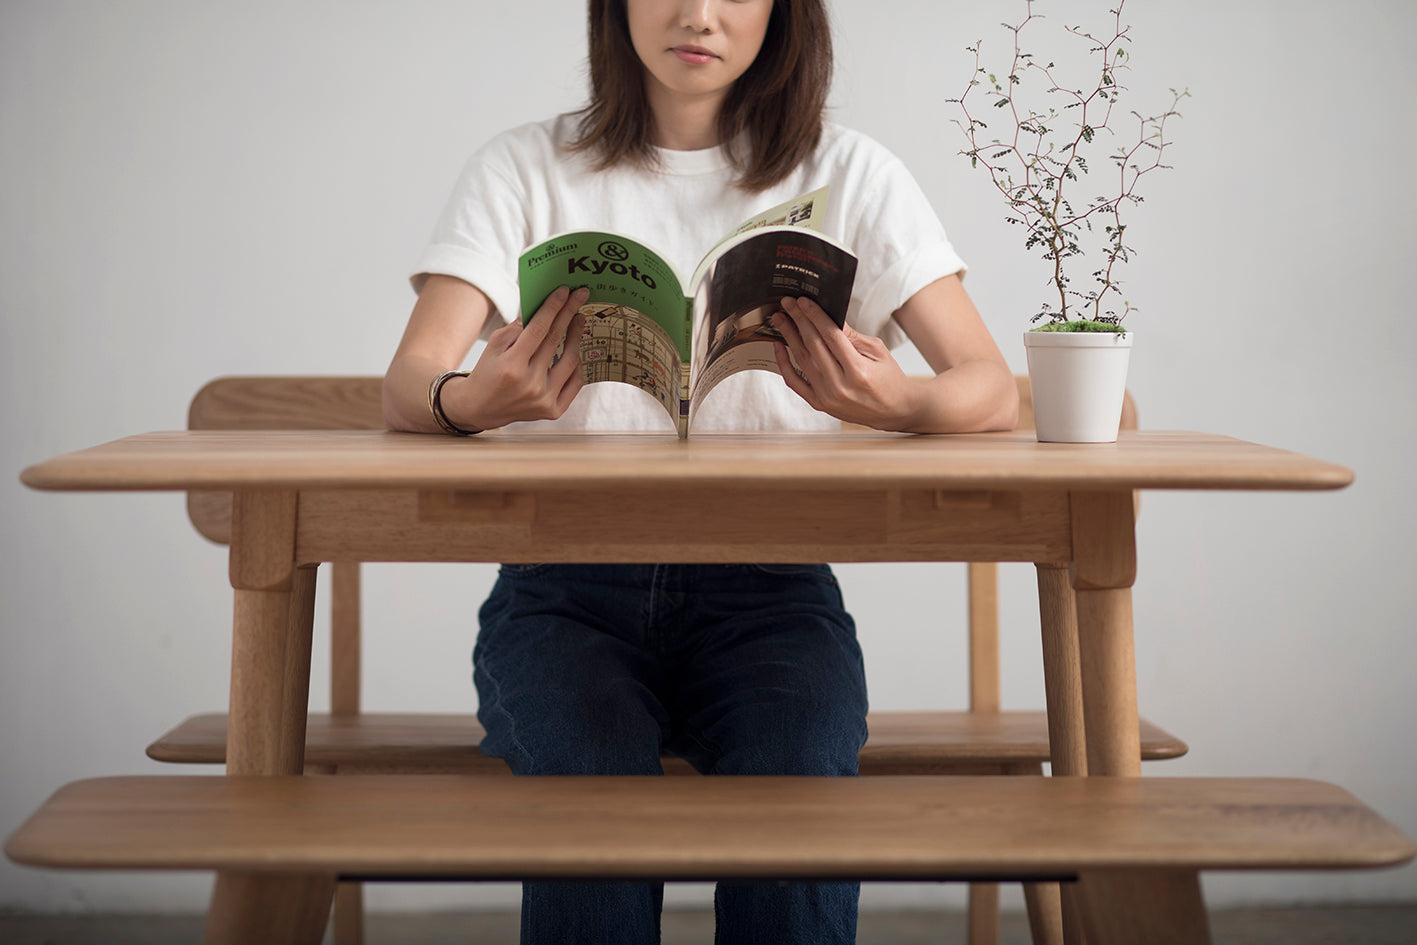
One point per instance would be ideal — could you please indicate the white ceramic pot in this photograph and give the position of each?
(1079, 380)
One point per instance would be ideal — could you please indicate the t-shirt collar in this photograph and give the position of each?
(692, 163)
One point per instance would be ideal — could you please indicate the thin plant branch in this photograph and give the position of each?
(1040, 177)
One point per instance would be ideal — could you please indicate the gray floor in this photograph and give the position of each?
(1350, 925)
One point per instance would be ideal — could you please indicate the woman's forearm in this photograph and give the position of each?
(445, 323)
(973, 397)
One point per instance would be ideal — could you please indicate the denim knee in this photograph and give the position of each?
(824, 743)
(559, 697)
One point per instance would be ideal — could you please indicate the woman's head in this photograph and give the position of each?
(771, 112)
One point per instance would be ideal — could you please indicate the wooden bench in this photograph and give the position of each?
(981, 739)
(1135, 844)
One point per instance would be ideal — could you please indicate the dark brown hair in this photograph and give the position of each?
(773, 112)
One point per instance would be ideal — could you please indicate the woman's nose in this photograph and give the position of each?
(697, 15)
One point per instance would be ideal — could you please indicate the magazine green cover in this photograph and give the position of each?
(677, 339)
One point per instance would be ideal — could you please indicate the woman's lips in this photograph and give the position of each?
(693, 55)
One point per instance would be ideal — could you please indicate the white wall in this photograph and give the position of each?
(197, 189)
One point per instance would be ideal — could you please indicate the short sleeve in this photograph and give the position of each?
(481, 231)
(902, 247)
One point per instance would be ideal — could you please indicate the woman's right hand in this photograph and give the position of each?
(519, 376)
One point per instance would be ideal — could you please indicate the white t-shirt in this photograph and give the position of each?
(523, 187)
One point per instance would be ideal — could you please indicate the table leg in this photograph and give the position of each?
(295, 697)
(270, 678)
(1109, 682)
(1104, 569)
(1059, 917)
(1062, 672)
(1104, 552)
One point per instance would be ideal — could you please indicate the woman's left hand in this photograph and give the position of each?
(840, 371)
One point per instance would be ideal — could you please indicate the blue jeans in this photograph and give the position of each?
(739, 669)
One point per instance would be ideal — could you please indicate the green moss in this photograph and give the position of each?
(1082, 325)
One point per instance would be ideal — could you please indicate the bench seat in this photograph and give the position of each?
(1133, 846)
(887, 828)
(900, 743)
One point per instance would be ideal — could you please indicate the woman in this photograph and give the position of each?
(702, 113)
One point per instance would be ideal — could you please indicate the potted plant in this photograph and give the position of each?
(1039, 158)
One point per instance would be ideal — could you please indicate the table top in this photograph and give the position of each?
(361, 459)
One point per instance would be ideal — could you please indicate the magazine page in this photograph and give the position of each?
(741, 286)
(807, 211)
(636, 327)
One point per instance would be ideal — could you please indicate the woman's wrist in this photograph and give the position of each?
(910, 409)
(455, 424)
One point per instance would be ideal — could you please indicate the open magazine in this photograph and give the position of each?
(676, 340)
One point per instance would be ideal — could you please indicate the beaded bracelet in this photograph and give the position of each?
(435, 404)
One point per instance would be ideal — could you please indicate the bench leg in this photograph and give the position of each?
(1159, 907)
(983, 914)
(349, 914)
(1045, 912)
(269, 909)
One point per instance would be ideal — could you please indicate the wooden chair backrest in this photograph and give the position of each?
(353, 403)
(275, 403)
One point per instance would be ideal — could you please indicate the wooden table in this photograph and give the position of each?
(303, 498)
